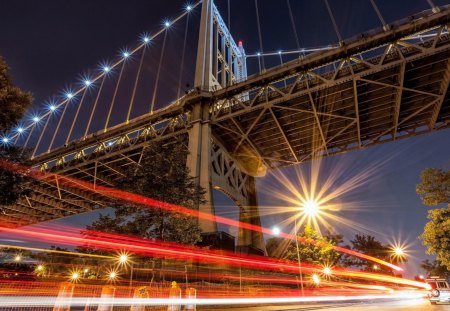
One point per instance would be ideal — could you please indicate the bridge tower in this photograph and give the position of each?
(220, 63)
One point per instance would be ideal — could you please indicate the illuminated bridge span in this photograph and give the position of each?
(380, 86)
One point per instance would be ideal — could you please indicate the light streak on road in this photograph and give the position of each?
(25, 301)
(123, 195)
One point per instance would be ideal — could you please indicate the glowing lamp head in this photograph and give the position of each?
(87, 82)
(315, 279)
(311, 208)
(36, 119)
(86, 270)
(5, 140)
(17, 258)
(123, 258)
(52, 108)
(69, 95)
(189, 8)
(167, 24)
(146, 39)
(276, 231)
(279, 52)
(375, 267)
(106, 69)
(398, 251)
(327, 271)
(74, 276)
(112, 275)
(125, 54)
(20, 130)
(258, 54)
(40, 268)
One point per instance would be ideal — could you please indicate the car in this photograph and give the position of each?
(439, 290)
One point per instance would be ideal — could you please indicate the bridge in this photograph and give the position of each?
(386, 84)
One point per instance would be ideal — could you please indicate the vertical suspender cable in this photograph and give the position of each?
(433, 6)
(182, 56)
(260, 36)
(375, 7)
(76, 115)
(28, 138)
(114, 96)
(333, 21)
(57, 127)
(135, 84)
(95, 105)
(294, 29)
(155, 88)
(40, 136)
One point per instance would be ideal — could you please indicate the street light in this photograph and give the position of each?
(74, 276)
(17, 258)
(316, 279)
(311, 208)
(276, 231)
(327, 271)
(124, 259)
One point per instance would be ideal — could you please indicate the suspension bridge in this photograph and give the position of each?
(383, 85)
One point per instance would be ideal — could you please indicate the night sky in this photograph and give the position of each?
(49, 43)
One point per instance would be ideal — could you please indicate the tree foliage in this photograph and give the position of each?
(369, 245)
(436, 235)
(435, 268)
(434, 188)
(321, 252)
(161, 175)
(13, 103)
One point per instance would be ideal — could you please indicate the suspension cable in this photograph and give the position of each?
(183, 55)
(76, 115)
(40, 136)
(333, 21)
(229, 16)
(155, 88)
(95, 105)
(135, 84)
(259, 34)
(294, 29)
(375, 7)
(57, 127)
(114, 97)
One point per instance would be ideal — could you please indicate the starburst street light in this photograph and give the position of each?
(327, 271)
(123, 258)
(74, 276)
(310, 208)
(17, 258)
(276, 231)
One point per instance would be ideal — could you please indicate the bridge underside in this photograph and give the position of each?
(361, 103)
(385, 91)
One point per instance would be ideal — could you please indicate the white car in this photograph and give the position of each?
(439, 291)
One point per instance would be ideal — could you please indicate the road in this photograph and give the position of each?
(403, 305)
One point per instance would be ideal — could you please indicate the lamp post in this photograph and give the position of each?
(298, 257)
(124, 259)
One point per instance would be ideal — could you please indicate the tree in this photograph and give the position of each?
(434, 188)
(369, 245)
(321, 252)
(13, 103)
(435, 268)
(161, 175)
(436, 235)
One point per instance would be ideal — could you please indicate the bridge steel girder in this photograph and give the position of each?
(398, 93)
